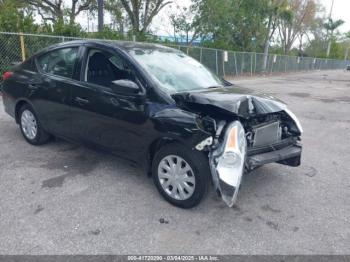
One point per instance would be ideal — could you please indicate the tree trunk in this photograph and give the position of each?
(346, 54)
(267, 45)
(329, 45)
(266, 55)
(100, 15)
(301, 43)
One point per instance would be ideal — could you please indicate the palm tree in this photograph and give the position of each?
(330, 26)
(274, 10)
(347, 36)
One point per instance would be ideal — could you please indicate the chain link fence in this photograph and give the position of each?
(16, 47)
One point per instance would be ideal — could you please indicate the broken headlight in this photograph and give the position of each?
(295, 119)
(227, 162)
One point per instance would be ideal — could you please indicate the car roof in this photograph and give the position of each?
(124, 45)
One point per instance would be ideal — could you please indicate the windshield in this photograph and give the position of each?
(175, 71)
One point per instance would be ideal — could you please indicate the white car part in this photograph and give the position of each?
(295, 119)
(206, 142)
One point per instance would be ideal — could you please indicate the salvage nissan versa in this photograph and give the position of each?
(156, 106)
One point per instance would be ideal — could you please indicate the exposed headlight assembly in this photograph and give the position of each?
(295, 119)
(227, 162)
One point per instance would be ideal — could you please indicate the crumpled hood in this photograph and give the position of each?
(242, 102)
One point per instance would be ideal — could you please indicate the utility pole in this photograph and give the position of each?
(88, 21)
(100, 15)
(330, 39)
(346, 53)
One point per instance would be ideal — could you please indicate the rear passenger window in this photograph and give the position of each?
(59, 62)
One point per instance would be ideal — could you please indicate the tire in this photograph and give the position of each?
(197, 178)
(28, 120)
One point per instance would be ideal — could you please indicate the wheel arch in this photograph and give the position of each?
(18, 106)
(155, 146)
(160, 142)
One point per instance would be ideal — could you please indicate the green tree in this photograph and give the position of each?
(331, 26)
(185, 23)
(231, 23)
(274, 11)
(301, 16)
(115, 9)
(141, 13)
(347, 45)
(56, 11)
(16, 17)
(66, 29)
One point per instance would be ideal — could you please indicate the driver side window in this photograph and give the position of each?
(102, 68)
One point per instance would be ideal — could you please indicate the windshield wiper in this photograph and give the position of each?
(210, 87)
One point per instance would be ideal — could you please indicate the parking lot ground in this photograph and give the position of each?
(61, 198)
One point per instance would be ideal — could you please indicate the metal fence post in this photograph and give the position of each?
(251, 64)
(200, 54)
(242, 63)
(217, 68)
(223, 54)
(254, 62)
(234, 55)
(273, 62)
(285, 64)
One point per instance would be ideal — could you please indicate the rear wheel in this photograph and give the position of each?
(30, 126)
(181, 175)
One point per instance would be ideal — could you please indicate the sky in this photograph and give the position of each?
(341, 10)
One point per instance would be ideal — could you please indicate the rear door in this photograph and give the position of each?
(50, 92)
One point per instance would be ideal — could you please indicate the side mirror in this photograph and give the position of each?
(125, 86)
(226, 83)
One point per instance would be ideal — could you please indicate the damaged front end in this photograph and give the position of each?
(247, 144)
(251, 131)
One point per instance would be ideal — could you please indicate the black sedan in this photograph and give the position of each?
(155, 106)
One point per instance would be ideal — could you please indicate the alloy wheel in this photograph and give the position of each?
(28, 124)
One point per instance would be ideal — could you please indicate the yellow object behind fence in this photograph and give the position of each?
(21, 38)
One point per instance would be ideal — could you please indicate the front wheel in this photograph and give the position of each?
(30, 126)
(181, 175)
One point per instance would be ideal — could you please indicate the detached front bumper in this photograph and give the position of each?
(289, 155)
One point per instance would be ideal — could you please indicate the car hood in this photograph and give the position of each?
(243, 102)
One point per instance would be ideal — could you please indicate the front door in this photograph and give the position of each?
(100, 115)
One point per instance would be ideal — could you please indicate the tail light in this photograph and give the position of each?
(7, 75)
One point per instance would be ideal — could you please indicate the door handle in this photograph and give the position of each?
(81, 100)
(32, 86)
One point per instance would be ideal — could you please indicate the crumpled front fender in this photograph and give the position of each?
(227, 163)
